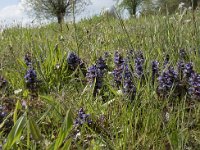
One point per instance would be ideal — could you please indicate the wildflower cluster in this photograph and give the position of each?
(166, 81)
(95, 75)
(74, 61)
(100, 63)
(181, 63)
(184, 80)
(194, 87)
(119, 69)
(31, 79)
(139, 61)
(129, 88)
(82, 118)
(30, 76)
(123, 76)
(188, 71)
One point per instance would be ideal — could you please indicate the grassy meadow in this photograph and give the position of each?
(62, 112)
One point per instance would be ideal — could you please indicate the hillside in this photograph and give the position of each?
(103, 83)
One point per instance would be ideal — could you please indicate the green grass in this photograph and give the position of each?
(46, 121)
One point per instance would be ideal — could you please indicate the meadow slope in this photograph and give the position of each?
(50, 102)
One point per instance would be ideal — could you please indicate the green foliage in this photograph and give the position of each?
(64, 131)
(46, 121)
(34, 129)
(16, 132)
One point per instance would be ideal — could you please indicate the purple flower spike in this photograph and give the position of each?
(129, 88)
(121, 73)
(117, 73)
(126, 73)
(194, 87)
(100, 64)
(119, 69)
(118, 59)
(91, 74)
(168, 80)
(31, 79)
(123, 76)
(140, 57)
(74, 61)
(82, 118)
(139, 67)
(95, 76)
(139, 61)
(188, 71)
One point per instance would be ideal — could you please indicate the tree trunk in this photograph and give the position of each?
(194, 4)
(60, 18)
(133, 9)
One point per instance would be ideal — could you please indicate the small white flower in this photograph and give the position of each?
(167, 116)
(109, 72)
(18, 91)
(24, 103)
(187, 21)
(119, 92)
(181, 5)
(61, 38)
(57, 66)
(190, 8)
(78, 135)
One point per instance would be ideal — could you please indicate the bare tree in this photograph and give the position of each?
(56, 8)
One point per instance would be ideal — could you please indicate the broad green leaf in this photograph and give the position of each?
(15, 132)
(35, 131)
(17, 107)
(51, 147)
(67, 144)
(64, 130)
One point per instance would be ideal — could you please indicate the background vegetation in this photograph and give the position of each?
(47, 118)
